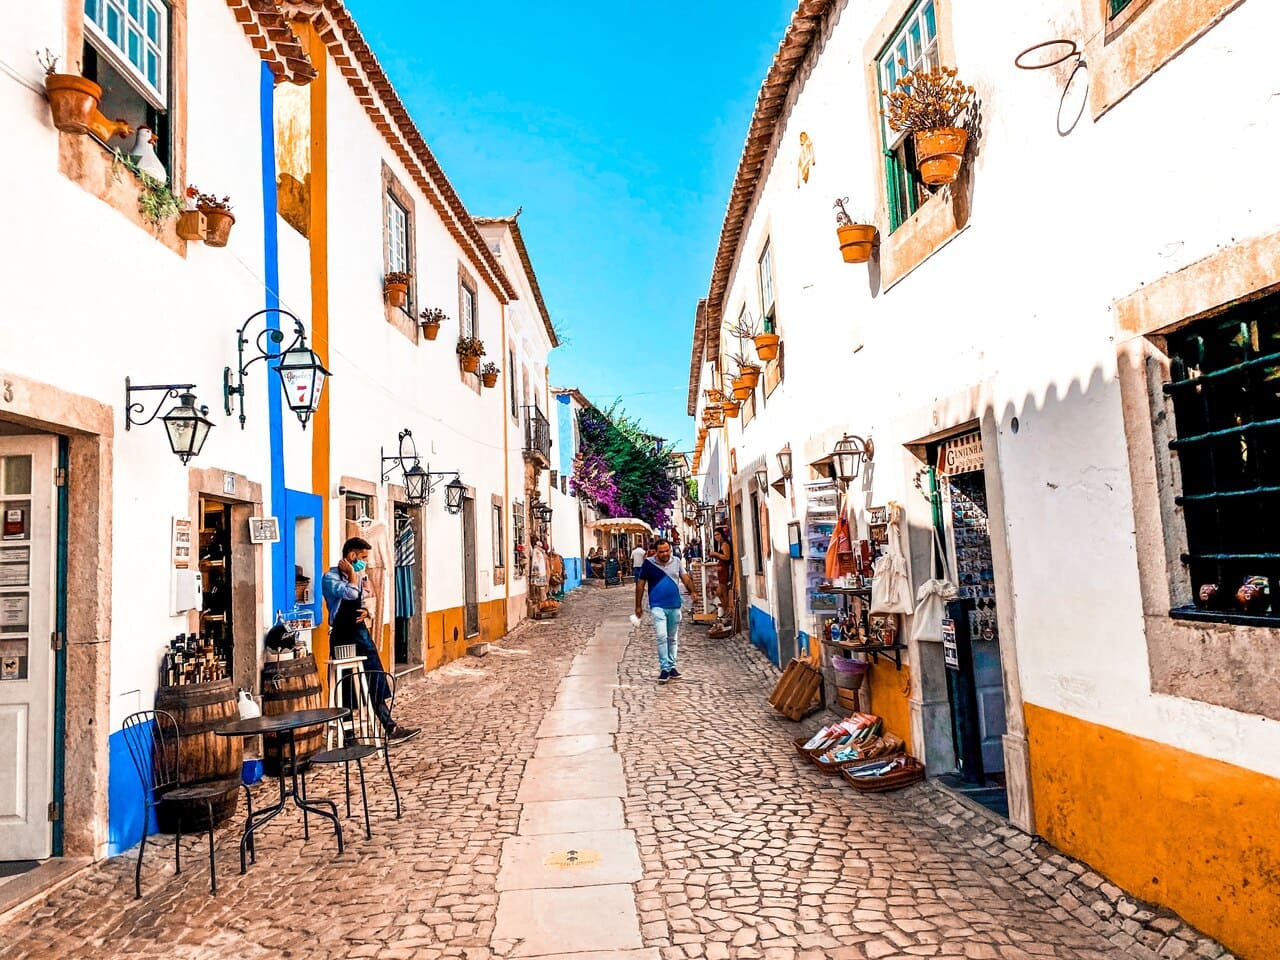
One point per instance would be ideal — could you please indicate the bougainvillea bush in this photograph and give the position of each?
(621, 469)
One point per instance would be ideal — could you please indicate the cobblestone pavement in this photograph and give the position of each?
(747, 852)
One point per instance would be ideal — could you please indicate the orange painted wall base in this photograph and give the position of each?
(1197, 835)
(890, 691)
(446, 640)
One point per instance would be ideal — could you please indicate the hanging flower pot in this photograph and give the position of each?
(73, 101)
(939, 154)
(489, 375)
(395, 288)
(749, 375)
(767, 346)
(431, 319)
(741, 390)
(218, 221)
(731, 409)
(470, 350)
(856, 241)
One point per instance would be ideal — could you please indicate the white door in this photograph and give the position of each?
(27, 505)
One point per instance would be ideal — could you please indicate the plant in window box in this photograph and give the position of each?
(470, 350)
(156, 201)
(217, 215)
(928, 104)
(489, 374)
(431, 319)
(856, 239)
(766, 344)
(395, 287)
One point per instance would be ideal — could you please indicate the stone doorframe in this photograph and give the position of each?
(963, 412)
(90, 429)
(245, 500)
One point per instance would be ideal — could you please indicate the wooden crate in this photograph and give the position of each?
(798, 690)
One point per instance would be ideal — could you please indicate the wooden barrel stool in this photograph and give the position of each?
(205, 757)
(289, 685)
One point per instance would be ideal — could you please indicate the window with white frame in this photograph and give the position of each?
(397, 236)
(914, 46)
(134, 36)
(768, 308)
(467, 300)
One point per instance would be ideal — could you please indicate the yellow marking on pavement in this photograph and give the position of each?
(572, 859)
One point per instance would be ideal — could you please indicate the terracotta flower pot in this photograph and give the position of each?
(431, 330)
(939, 154)
(72, 101)
(767, 346)
(218, 226)
(470, 364)
(749, 376)
(856, 242)
(731, 409)
(741, 390)
(489, 379)
(397, 293)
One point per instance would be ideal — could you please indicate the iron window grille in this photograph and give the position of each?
(1225, 393)
(537, 433)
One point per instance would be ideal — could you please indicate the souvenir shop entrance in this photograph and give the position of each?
(970, 638)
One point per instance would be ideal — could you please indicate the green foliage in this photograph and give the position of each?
(638, 485)
(156, 201)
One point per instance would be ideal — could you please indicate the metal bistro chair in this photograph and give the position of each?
(152, 737)
(364, 736)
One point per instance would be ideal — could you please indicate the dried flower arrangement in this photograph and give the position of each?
(924, 100)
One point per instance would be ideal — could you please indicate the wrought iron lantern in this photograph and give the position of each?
(417, 482)
(784, 462)
(186, 424)
(848, 455)
(543, 511)
(302, 374)
(762, 476)
(454, 493)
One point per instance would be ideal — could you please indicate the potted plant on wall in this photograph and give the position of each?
(73, 100)
(431, 318)
(928, 104)
(766, 344)
(395, 287)
(856, 239)
(748, 372)
(217, 214)
(489, 374)
(470, 350)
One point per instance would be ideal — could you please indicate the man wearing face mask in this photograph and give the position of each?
(345, 587)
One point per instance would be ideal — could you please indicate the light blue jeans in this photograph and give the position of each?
(666, 627)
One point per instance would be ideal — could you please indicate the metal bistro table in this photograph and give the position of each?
(286, 724)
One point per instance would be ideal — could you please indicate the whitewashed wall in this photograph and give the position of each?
(1017, 308)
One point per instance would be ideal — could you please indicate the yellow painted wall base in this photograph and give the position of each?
(1197, 835)
(446, 640)
(890, 690)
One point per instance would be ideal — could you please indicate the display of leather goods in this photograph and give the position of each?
(1254, 595)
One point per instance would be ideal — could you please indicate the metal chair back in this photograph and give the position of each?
(152, 737)
(365, 726)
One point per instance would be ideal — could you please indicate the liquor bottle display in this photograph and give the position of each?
(192, 659)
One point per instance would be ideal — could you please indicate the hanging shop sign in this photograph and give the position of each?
(264, 529)
(181, 543)
(960, 455)
(950, 652)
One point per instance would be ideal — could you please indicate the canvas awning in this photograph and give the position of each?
(621, 525)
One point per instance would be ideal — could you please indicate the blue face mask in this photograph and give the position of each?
(359, 565)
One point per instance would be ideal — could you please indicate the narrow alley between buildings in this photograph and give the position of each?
(562, 803)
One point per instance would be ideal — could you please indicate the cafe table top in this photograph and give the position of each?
(281, 722)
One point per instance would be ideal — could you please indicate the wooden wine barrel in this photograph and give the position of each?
(199, 709)
(289, 685)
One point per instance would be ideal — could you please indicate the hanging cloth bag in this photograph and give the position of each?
(931, 600)
(891, 586)
(839, 559)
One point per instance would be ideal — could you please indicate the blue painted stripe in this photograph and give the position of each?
(282, 588)
(124, 798)
(764, 632)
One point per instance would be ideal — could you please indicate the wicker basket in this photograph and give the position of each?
(913, 772)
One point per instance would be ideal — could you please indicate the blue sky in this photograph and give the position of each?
(618, 128)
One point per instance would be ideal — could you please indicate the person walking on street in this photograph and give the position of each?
(662, 574)
(345, 588)
(637, 560)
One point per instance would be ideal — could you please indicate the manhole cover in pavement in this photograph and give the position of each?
(569, 859)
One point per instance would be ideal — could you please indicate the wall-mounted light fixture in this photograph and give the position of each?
(784, 462)
(848, 455)
(186, 424)
(299, 366)
(762, 477)
(417, 482)
(543, 511)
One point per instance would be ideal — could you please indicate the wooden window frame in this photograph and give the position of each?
(497, 517)
(945, 214)
(468, 286)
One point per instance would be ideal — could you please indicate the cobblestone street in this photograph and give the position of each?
(744, 850)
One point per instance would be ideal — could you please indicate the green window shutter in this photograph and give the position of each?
(892, 182)
(1118, 5)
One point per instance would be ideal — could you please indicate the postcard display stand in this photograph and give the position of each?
(821, 512)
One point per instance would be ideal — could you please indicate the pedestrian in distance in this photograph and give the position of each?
(662, 575)
(637, 560)
(345, 588)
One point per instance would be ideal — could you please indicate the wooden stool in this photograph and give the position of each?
(339, 668)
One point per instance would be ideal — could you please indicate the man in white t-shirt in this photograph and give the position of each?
(637, 560)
